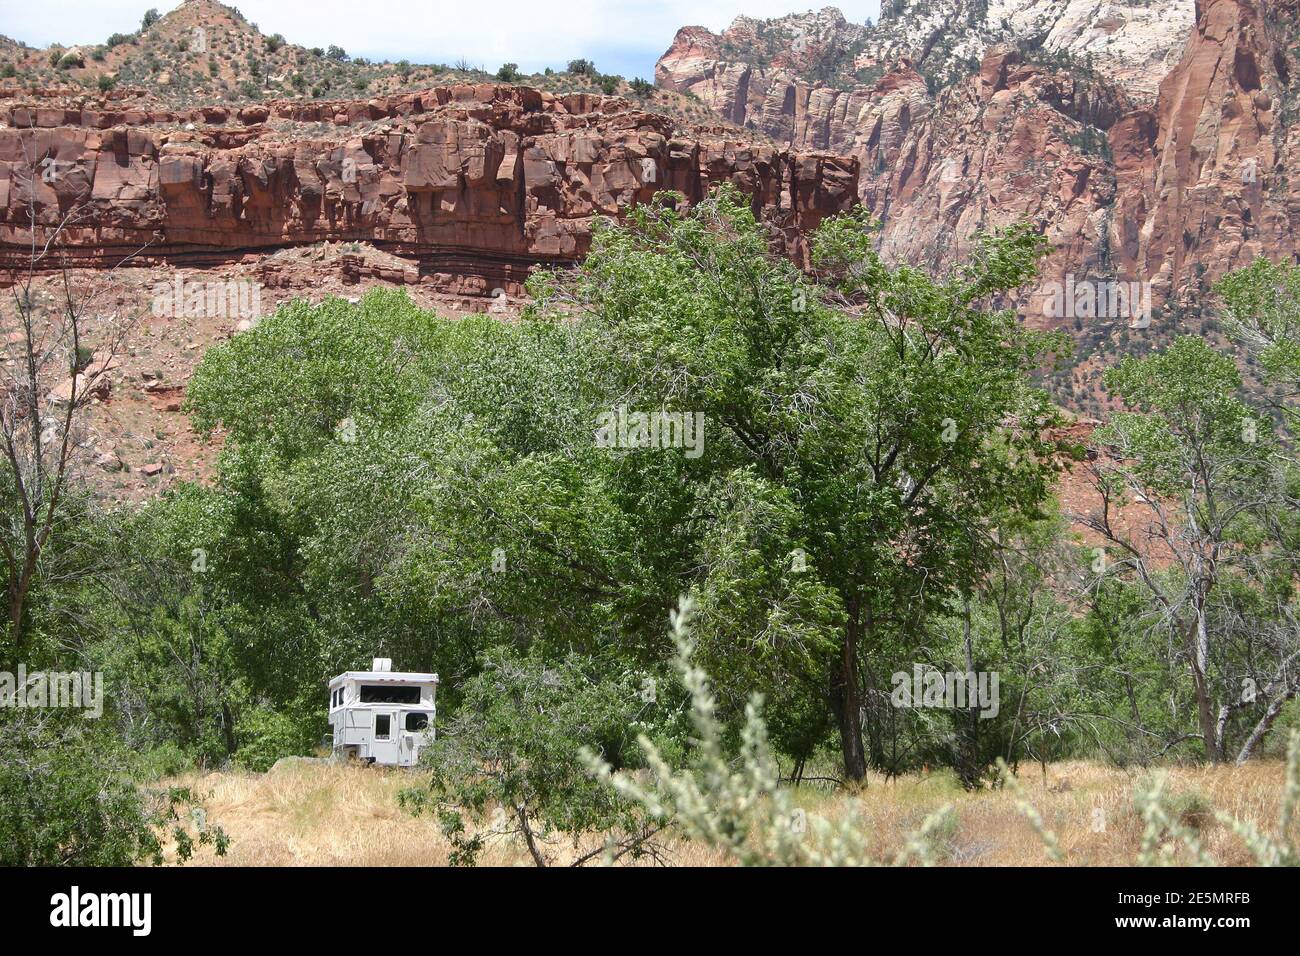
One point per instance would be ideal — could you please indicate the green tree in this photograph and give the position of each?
(1262, 311)
(67, 799)
(438, 488)
(892, 430)
(1201, 466)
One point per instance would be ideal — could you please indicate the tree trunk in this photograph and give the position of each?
(1265, 724)
(17, 598)
(846, 698)
(1199, 653)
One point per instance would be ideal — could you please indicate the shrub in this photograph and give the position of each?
(264, 737)
(157, 763)
(509, 73)
(67, 799)
(582, 68)
(510, 763)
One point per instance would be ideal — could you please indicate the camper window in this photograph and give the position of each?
(378, 694)
(382, 729)
(417, 721)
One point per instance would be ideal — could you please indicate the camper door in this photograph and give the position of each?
(384, 744)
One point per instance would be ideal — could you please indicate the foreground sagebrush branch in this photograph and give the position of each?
(738, 805)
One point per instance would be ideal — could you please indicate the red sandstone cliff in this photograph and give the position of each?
(476, 183)
(1221, 182)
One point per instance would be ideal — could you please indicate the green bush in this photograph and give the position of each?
(510, 763)
(264, 737)
(67, 798)
(158, 763)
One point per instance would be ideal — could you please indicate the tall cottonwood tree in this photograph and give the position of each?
(863, 437)
(1197, 468)
(885, 416)
(1262, 312)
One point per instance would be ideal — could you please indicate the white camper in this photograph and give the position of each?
(381, 715)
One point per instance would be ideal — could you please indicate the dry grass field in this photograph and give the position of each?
(329, 815)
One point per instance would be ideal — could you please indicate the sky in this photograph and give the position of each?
(620, 36)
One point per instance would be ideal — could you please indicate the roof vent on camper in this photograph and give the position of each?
(382, 664)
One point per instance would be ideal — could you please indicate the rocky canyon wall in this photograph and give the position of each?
(475, 183)
(1150, 143)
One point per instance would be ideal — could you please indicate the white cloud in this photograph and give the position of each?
(621, 36)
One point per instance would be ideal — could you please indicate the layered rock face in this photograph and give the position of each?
(768, 74)
(1164, 162)
(1220, 182)
(475, 183)
(1016, 142)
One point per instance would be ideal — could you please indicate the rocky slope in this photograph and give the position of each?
(474, 183)
(1133, 44)
(203, 51)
